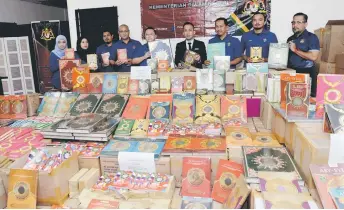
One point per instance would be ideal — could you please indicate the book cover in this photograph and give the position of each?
(144, 86)
(183, 108)
(261, 79)
(86, 103)
(153, 63)
(161, 50)
(103, 204)
(196, 203)
(155, 147)
(69, 54)
(18, 106)
(297, 100)
(216, 49)
(81, 79)
(257, 68)
(279, 182)
(219, 80)
(334, 116)
(238, 195)
(273, 91)
(157, 127)
(140, 128)
(105, 128)
(329, 91)
(136, 108)
(48, 104)
(256, 54)
(234, 110)
(178, 143)
(92, 61)
(84, 123)
(96, 83)
(165, 84)
(189, 58)
(66, 73)
(116, 146)
(239, 81)
(278, 55)
(65, 103)
(204, 79)
(270, 159)
(190, 84)
(196, 177)
(209, 144)
(124, 127)
(122, 55)
(227, 175)
(159, 98)
(325, 178)
(208, 109)
(265, 139)
(106, 58)
(163, 65)
(222, 63)
(160, 110)
(5, 107)
(110, 83)
(133, 87)
(238, 136)
(123, 83)
(22, 189)
(112, 104)
(288, 200)
(293, 78)
(177, 84)
(155, 86)
(337, 195)
(251, 82)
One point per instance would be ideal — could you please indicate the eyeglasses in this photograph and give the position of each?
(297, 22)
(123, 31)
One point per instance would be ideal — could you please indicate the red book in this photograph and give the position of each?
(122, 55)
(297, 100)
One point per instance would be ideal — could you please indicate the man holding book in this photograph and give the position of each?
(124, 50)
(142, 54)
(105, 52)
(190, 51)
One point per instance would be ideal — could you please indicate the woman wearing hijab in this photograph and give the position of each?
(57, 54)
(82, 46)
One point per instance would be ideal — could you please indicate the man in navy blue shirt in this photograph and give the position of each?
(233, 46)
(142, 54)
(258, 37)
(304, 49)
(105, 51)
(127, 43)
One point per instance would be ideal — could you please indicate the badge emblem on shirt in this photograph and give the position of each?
(228, 44)
(302, 41)
(264, 40)
(134, 47)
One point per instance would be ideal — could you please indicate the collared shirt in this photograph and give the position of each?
(187, 43)
(233, 46)
(131, 47)
(305, 42)
(104, 48)
(141, 51)
(263, 40)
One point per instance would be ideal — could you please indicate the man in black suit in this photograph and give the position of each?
(192, 44)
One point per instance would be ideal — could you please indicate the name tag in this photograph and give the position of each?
(196, 48)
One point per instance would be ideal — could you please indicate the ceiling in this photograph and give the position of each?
(53, 3)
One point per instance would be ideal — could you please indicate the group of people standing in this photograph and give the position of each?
(303, 47)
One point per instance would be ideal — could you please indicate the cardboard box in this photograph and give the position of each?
(267, 114)
(278, 126)
(311, 146)
(339, 64)
(109, 164)
(327, 68)
(53, 187)
(87, 162)
(333, 40)
(320, 34)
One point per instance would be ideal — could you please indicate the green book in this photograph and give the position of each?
(216, 49)
(124, 127)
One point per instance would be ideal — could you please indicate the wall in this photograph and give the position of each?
(282, 12)
(22, 12)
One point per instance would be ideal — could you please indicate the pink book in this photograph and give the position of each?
(253, 107)
(330, 90)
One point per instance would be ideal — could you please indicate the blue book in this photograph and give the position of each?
(257, 68)
(119, 145)
(150, 146)
(196, 203)
(216, 49)
(49, 104)
(110, 83)
(159, 110)
(337, 195)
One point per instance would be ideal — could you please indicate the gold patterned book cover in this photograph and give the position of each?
(297, 100)
(234, 110)
(238, 136)
(48, 105)
(22, 189)
(265, 139)
(96, 83)
(92, 61)
(278, 182)
(190, 84)
(65, 103)
(124, 127)
(274, 200)
(256, 54)
(123, 83)
(238, 195)
(183, 108)
(66, 73)
(81, 79)
(140, 128)
(154, 146)
(112, 104)
(207, 109)
(165, 84)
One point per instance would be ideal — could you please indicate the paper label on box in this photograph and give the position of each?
(140, 72)
(336, 154)
(136, 161)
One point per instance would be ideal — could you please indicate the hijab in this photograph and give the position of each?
(57, 51)
(82, 52)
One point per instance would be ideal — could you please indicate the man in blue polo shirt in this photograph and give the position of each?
(304, 49)
(142, 54)
(105, 52)
(127, 43)
(233, 47)
(258, 37)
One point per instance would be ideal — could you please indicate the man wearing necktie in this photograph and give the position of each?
(190, 44)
